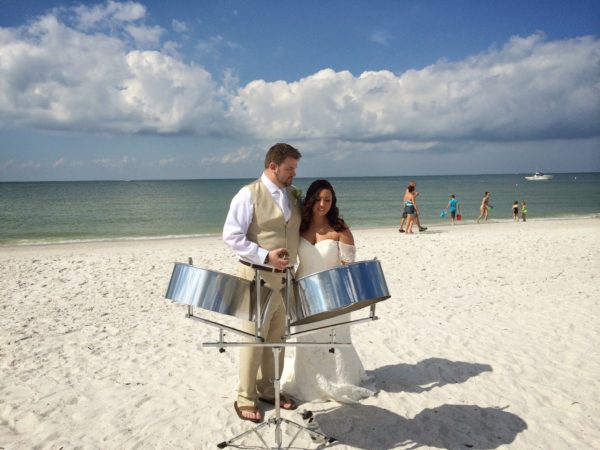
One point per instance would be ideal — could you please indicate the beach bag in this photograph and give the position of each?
(458, 217)
(442, 213)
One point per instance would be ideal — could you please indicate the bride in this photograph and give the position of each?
(325, 242)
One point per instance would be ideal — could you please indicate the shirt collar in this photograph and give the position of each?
(272, 187)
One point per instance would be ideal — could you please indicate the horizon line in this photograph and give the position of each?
(121, 180)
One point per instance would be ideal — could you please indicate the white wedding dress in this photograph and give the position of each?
(314, 374)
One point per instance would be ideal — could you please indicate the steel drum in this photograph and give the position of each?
(337, 291)
(215, 291)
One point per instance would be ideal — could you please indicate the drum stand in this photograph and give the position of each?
(258, 341)
(277, 420)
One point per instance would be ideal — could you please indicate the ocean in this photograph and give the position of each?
(50, 212)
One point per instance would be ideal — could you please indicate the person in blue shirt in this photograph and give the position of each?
(453, 207)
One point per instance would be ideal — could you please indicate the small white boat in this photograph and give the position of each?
(539, 176)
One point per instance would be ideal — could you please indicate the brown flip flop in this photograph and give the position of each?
(254, 409)
(282, 399)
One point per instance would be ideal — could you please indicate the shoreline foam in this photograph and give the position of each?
(464, 222)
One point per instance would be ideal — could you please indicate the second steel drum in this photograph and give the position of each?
(337, 291)
(215, 291)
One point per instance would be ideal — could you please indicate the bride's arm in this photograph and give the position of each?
(346, 247)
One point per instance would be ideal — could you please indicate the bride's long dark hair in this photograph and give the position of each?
(312, 195)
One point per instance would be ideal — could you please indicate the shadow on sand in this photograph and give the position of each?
(447, 426)
(451, 427)
(425, 375)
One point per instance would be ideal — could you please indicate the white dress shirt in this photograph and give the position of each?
(239, 218)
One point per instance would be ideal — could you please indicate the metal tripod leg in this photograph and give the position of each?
(244, 434)
(299, 429)
(276, 349)
(277, 420)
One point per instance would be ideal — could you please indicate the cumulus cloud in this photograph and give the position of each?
(529, 89)
(57, 74)
(53, 76)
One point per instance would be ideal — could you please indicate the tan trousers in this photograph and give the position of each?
(257, 363)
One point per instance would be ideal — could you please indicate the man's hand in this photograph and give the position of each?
(279, 258)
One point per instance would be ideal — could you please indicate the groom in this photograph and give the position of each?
(262, 228)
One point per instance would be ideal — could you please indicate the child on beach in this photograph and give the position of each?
(453, 207)
(515, 208)
(524, 211)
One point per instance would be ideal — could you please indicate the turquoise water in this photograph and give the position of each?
(91, 210)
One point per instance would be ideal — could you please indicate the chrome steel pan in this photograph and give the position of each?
(215, 291)
(337, 291)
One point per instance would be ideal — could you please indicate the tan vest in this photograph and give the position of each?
(268, 227)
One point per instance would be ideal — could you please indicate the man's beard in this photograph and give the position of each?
(285, 182)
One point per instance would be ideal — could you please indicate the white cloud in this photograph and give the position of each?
(179, 26)
(28, 165)
(166, 162)
(213, 45)
(57, 76)
(87, 17)
(58, 163)
(109, 163)
(63, 162)
(171, 48)
(240, 155)
(145, 35)
(380, 37)
(170, 96)
(529, 89)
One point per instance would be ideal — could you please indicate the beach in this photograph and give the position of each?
(491, 339)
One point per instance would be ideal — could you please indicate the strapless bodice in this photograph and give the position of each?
(324, 255)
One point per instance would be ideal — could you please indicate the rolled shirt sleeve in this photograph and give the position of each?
(236, 226)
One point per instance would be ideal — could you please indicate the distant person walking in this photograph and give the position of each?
(524, 211)
(453, 207)
(410, 207)
(485, 205)
(416, 219)
(515, 209)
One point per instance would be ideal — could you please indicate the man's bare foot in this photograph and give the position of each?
(249, 412)
(288, 404)
(284, 401)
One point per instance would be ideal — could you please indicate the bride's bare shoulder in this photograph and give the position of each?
(346, 237)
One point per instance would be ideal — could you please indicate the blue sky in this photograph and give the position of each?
(163, 90)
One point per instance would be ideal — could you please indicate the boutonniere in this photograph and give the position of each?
(296, 193)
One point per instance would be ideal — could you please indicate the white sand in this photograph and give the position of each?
(490, 339)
